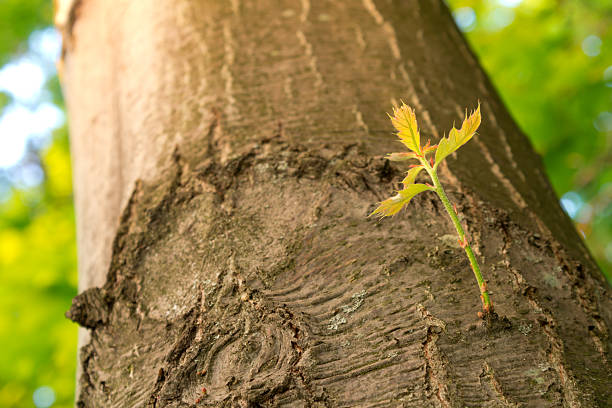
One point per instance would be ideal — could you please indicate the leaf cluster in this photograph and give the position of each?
(404, 121)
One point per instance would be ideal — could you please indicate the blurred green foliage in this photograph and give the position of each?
(37, 248)
(19, 18)
(548, 58)
(38, 274)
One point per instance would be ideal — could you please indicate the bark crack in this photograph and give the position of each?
(436, 375)
(226, 70)
(312, 60)
(555, 352)
(386, 26)
(488, 372)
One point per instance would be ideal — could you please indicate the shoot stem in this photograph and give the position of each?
(486, 300)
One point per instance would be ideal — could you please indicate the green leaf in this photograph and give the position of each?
(392, 205)
(411, 176)
(457, 138)
(400, 156)
(404, 120)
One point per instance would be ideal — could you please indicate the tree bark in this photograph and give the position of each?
(226, 156)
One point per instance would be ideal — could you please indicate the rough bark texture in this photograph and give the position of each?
(241, 142)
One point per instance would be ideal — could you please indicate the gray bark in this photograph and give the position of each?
(226, 156)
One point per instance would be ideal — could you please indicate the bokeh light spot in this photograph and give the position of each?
(465, 17)
(591, 45)
(23, 79)
(603, 122)
(499, 18)
(571, 203)
(46, 44)
(29, 175)
(19, 124)
(12, 135)
(43, 397)
(510, 3)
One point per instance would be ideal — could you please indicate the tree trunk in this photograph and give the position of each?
(226, 156)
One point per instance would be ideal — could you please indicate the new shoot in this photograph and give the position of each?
(429, 158)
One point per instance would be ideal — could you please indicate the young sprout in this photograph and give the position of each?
(404, 120)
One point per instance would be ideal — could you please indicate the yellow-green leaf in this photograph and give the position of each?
(411, 176)
(457, 138)
(401, 156)
(392, 205)
(404, 120)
